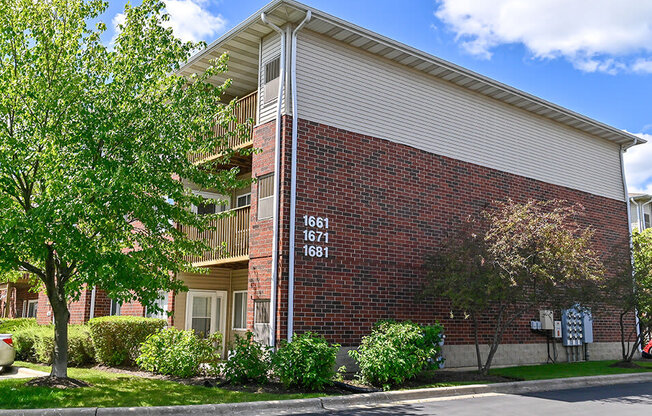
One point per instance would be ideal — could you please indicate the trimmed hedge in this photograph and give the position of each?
(8, 326)
(249, 361)
(37, 344)
(117, 339)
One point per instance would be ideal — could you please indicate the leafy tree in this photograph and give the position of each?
(511, 259)
(93, 143)
(629, 291)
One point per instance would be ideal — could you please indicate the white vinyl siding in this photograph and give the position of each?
(271, 50)
(354, 90)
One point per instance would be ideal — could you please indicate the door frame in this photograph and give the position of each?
(214, 294)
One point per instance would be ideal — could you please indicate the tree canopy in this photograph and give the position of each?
(94, 141)
(512, 258)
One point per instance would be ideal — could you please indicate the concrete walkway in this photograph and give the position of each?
(20, 372)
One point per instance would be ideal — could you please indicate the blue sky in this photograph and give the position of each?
(591, 56)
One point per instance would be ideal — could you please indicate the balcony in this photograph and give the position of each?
(245, 109)
(229, 240)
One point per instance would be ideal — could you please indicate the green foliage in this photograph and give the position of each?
(94, 142)
(117, 339)
(178, 353)
(397, 351)
(36, 343)
(308, 361)
(249, 361)
(8, 326)
(512, 258)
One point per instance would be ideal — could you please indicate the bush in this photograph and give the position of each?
(308, 361)
(178, 353)
(117, 339)
(249, 361)
(24, 339)
(8, 326)
(397, 351)
(37, 344)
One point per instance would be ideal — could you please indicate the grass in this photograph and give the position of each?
(121, 390)
(563, 370)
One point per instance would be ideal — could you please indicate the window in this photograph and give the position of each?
(211, 208)
(32, 308)
(115, 308)
(272, 79)
(240, 310)
(162, 303)
(646, 221)
(243, 200)
(266, 196)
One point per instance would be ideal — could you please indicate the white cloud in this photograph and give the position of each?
(191, 20)
(638, 166)
(594, 35)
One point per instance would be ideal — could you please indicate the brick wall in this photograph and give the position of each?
(389, 205)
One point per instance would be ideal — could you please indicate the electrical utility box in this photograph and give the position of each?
(587, 324)
(547, 320)
(575, 324)
(557, 333)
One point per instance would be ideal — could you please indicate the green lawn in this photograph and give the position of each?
(120, 390)
(562, 370)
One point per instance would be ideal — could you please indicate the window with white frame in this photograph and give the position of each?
(240, 310)
(266, 196)
(211, 207)
(161, 312)
(32, 308)
(272, 79)
(243, 200)
(115, 308)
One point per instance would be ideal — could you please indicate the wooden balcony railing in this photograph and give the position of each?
(245, 109)
(232, 231)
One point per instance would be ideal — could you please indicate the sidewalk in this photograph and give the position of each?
(326, 404)
(21, 372)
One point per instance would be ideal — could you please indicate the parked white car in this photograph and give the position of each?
(7, 351)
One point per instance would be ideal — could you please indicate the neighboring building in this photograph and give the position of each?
(640, 208)
(18, 299)
(394, 148)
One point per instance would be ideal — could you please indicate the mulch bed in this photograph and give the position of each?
(57, 382)
(625, 364)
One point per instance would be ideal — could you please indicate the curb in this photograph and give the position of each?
(323, 404)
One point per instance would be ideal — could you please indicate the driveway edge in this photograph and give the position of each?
(318, 405)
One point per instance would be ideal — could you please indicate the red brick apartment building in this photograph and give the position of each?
(376, 151)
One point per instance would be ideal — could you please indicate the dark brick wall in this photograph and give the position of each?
(389, 205)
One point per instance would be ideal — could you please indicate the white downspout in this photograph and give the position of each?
(293, 174)
(623, 149)
(91, 315)
(277, 165)
(642, 215)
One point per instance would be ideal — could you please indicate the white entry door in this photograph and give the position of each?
(206, 311)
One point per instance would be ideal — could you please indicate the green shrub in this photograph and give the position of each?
(397, 351)
(37, 344)
(8, 326)
(178, 353)
(24, 339)
(117, 339)
(249, 361)
(80, 346)
(308, 361)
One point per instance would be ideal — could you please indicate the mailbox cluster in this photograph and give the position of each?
(577, 327)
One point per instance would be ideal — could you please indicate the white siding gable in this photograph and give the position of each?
(347, 88)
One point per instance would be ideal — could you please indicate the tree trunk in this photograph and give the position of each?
(625, 351)
(478, 355)
(60, 358)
